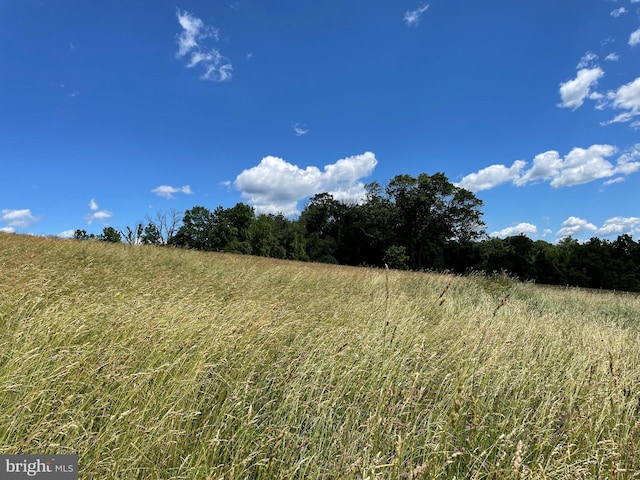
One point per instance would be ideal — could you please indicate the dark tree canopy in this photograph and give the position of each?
(417, 223)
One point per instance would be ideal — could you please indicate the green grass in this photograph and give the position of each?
(157, 363)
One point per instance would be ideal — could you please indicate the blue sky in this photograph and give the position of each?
(113, 111)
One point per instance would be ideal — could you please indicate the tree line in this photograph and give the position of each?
(417, 223)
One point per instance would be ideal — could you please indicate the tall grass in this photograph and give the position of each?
(154, 363)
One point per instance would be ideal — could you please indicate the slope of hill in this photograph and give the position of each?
(161, 363)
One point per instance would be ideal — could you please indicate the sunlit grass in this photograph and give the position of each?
(160, 363)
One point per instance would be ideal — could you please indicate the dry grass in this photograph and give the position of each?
(157, 363)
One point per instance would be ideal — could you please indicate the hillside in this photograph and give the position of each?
(158, 363)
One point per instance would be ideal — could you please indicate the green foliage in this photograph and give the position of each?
(417, 223)
(111, 235)
(396, 257)
(151, 235)
(80, 235)
(429, 211)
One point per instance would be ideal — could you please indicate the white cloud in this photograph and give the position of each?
(412, 17)
(607, 41)
(577, 167)
(612, 57)
(574, 226)
(191, 43)
(614, 180)
(587, 61)
(634, 38)
(168, 191)
(300, 129)
(7, 230)
(66, 234)
(17, 218)
(99, 216)
(275, 185)
(584, 165)
(627, 98)
(521, 228)
(619, 11)
(573, 92)
(619, 226)
(492, 176)
(194, 31)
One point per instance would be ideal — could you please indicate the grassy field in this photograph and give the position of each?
(154, 363)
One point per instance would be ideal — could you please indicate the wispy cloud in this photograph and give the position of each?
(588, 60)
(168, 191)
(619, 11)
(276, 186)
(192, 43)
(412, 17)
(96, 214)
(300, 129)
(13, 219)
(612, 57)
(579, 166)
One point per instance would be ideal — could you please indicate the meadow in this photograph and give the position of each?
(158, 363)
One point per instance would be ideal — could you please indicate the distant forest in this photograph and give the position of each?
(416, 223)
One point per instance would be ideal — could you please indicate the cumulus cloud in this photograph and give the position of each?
(577, 167)
(521, 228)
(492, 176)
(276, 186)
(574, 226)
(573, 92)
(619, 226)
(615, 226)
(634, 38)
(192, 43)
(627, 99)
(612, 57)
(66, 234)
(17, 219)
(412, 17)
(93, 205)
(167, 191)
(7, 230)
